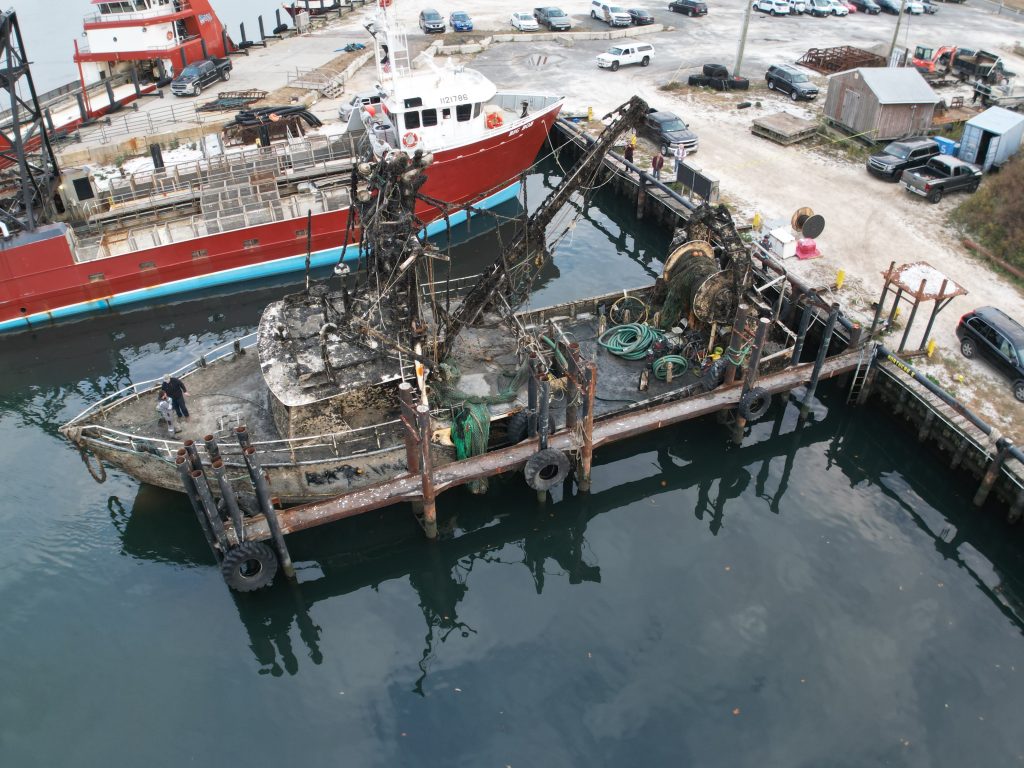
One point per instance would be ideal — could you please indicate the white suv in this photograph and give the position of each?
(630, 53)
(773, 7)
(613, 15)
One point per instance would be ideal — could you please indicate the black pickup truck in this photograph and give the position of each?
(940, 175)
(199, 74)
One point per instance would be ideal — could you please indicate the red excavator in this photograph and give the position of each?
(963, 63)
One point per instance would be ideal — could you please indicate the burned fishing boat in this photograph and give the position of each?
(318, 405)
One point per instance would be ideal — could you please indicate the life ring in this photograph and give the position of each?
(410, 139)
(754, 404)
(494, 120)
(251, 565)
(546, 469)
(170, 35)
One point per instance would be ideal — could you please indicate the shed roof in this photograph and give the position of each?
(897, 85)
(996, 120)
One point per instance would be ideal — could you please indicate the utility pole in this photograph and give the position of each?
(896, 32)
(743, 40)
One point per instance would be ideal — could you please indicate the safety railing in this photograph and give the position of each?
(154, 14)
(296, 451)
(134, 390)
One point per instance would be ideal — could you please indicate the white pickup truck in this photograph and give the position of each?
(626, 53)
(612, 15)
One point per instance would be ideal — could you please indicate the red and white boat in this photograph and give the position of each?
(242, 216)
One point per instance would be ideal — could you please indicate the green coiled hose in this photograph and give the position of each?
(679, 366)
(630, 341)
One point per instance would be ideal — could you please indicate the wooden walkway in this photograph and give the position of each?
(407, 487)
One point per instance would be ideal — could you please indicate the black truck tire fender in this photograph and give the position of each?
(546, 469)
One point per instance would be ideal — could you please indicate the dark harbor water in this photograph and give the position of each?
(823, 596)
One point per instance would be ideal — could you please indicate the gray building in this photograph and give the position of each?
(992, 137)
(881, 103)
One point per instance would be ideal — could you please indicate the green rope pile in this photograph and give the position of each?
(445, 386)
(471, 429)
(679, 366)
(630, 341)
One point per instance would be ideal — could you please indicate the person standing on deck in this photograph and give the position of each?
(657, 163)
(176, 390)
(680, 155)
(627, 153)
(165, 408)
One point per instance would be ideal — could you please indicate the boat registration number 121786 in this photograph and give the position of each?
(454, 99)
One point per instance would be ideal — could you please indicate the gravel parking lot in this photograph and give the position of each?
(869, 222)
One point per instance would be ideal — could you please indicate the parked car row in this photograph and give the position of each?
(557, 20)
(811, 7)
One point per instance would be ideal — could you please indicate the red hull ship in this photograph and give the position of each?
(246, 217)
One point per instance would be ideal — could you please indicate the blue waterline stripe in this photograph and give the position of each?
(237, 275)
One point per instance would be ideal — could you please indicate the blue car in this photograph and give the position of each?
(460, 21)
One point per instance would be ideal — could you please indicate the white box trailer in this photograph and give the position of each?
(991, 138)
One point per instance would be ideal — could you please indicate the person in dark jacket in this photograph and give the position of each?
(176, 390)
(628, 152)
(657, 163)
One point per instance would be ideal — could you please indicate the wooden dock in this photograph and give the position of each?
(784, 128)
(983, 453)
(409, 487)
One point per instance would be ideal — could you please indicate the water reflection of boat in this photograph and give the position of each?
(367, 552)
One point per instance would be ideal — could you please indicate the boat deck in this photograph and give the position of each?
(226, 394)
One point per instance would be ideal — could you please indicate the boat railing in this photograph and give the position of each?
(136, 389)
(154, 13)
(148, 122)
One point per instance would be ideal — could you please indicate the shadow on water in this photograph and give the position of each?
(511, 528)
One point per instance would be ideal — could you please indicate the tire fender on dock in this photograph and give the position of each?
(754, 404)
(546, 469)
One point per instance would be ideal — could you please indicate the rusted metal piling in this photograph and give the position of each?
(826, 340)
(426, 472)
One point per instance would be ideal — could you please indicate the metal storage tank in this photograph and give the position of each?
(992, 137)
(881, 103)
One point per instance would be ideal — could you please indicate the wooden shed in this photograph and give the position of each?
(881, 103)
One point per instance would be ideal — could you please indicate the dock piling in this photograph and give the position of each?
(181, 462)
(259, 484)
(587, 450)
(209, 506)
(230, 500)
(739, 324)
(542, 413)
(1003, 447)
(212, 449)
(426, 472)
(826, 339)
(881, 300)
(751, 373)
(245, 41)
(531, 397)
(801, 331)
(263, 33)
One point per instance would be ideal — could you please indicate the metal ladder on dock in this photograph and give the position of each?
(860, 375)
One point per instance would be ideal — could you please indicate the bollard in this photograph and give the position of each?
(259, 484)
(230, 500)
(181, 462)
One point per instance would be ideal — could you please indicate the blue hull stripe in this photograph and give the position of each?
(324, 258)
